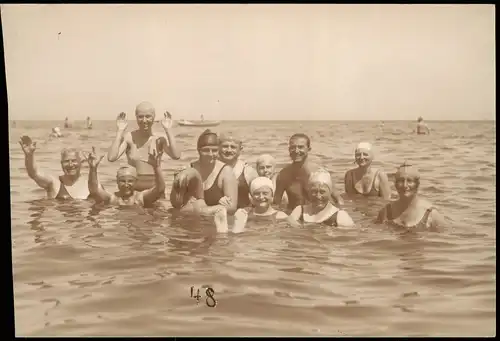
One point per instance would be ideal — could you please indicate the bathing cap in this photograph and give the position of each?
(265, 158)
(144, 107)
(229, 137)
(365, 146)
(407, 170)
(207, 138)
(260, 182)
(321, 176)
(127, 170)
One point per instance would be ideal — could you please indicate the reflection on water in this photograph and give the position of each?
(85, 269)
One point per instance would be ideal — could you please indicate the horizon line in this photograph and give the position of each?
(289, 120)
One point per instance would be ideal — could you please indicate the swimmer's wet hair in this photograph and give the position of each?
(301, 136)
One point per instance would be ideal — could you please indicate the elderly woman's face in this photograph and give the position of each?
(363, 157)
(406, 186)
(319, 194)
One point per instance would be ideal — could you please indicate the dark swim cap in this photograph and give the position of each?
(207, 138)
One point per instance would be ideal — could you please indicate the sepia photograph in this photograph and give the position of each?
(281, 170)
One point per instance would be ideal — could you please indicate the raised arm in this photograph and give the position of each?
(119, 144)
(150, 195)
(230, 189)
(29, 147)
(171, 149)
(385, 186)
(97, 192)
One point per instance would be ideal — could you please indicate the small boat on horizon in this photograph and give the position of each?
(198, 123)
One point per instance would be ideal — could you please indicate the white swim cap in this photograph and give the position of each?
(365, 146)
(260, 182)
(127, 170)
(321, 176)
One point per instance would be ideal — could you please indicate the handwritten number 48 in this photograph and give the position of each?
(210, 301)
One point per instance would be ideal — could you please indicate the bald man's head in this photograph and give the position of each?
(145, 108)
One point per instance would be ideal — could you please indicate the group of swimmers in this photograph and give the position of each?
(221, 185)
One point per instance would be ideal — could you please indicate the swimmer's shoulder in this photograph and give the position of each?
(284, 174)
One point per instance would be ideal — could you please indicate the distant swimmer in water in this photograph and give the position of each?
(262, 193)
(266, 166)
(320, 210)
(66, 123)
(293, 179)
(137, 144)
(422, 128)
(56, 132)
(410, 211)
(126, 179)
(70, 185)
(88, 123)
(230, 149)
(364, 179)
(208, 186)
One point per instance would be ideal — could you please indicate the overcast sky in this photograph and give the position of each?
(331, 62)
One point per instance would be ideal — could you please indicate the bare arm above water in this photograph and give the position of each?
(44, 181)
(171, 148)
(150, 195)
(96, 191)
(385, 186)
(119, 144)
(230, 189)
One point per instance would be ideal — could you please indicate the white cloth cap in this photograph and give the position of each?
(322, 177)
(260, 182)
(364, 145)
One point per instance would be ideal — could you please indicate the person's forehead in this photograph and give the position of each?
(298, 140)
(363, 150)
(145, 112)
(265, 163)
(126, 177)
(263, 189)
(230, 142)
(70, 156)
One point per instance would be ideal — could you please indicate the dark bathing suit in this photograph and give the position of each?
(214, 193)
(373, 191)
(421, 224)
(332, 221)
(243, 191)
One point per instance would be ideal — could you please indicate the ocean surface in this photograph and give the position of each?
(80, 270)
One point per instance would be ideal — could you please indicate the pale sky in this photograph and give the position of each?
(298, 62)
